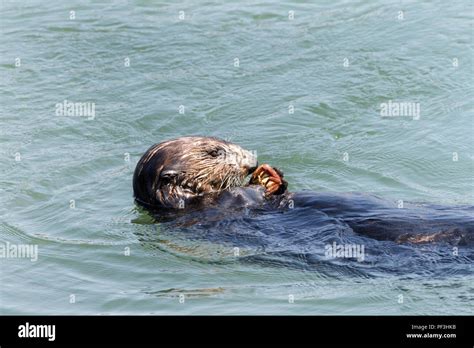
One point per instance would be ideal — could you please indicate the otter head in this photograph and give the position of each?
(177, 172)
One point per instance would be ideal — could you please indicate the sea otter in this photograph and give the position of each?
(179, 175)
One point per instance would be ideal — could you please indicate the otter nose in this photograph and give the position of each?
(248, 161)
(253, 168)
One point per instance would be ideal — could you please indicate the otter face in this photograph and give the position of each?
(177, 171)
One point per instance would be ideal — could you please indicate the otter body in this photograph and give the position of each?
(203, 178)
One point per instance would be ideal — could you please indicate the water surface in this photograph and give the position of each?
(237, 70)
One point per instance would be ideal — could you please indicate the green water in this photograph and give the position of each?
(65, 182)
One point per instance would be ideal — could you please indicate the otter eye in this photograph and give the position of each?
(214, 153)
